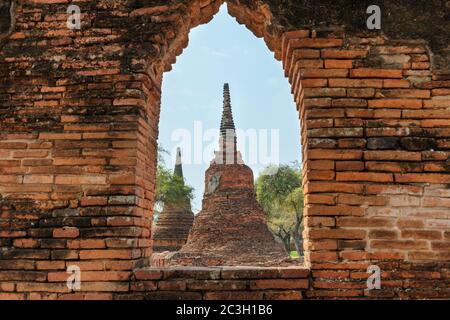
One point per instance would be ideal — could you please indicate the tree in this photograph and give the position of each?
(279, 192)
(170, 188)
(296, 202)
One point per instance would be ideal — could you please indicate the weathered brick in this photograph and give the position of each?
(66, 232)
(343, 54)
(392, 155)
(364, 176)
(376, 73)
(337, 234)
(334, 210)
(279, 284)
(398, 103)
(338, 64)
(354, 83)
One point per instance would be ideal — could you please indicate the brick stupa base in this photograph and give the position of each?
(231, 229)
(172, 229)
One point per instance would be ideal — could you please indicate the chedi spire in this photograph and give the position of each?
(227, 153)
(227, 123)
(178, 165)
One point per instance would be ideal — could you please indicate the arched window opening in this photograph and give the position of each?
(233, 162)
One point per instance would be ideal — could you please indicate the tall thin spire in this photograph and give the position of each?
(228, 153)
(178, 171)
(227, 122)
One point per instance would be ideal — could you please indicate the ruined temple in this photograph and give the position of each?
(175, 221)
(79, 116)
(231, 228)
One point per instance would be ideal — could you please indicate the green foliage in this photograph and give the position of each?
(170, 188)
(279, 192)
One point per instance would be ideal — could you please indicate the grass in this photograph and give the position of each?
(294, 254)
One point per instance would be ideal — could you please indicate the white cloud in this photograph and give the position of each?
(273, 81)
(215, 52)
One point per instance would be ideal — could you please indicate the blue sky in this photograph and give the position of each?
(218, 52)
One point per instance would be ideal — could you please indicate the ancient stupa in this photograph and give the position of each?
(231, 228)
(175, 221)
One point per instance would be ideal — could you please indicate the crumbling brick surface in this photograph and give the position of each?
(172, 229)
(79, 112)
(231, 229)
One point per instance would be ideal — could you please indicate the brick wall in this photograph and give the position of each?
(220, 283)
(79, 114)
(375, 128)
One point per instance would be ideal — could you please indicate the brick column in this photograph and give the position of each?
(375, 126)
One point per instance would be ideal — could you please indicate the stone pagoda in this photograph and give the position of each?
(174, 222)
(231, 228)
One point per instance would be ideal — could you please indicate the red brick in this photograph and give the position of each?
(314, 83)
(315, 43)
(426, 114)
(403, 93)
(324, 92)
(172, 285)
(422, 178)
(216, 285)
(321, 256)
(232, 295)
(364, 176)
(392, 155)
(337, 233)
(396, 103)
(320, 165)
(383, 234)
(50, 265)
(422, 234)
(320, 175)
(361, 93)
(315, 210)
(399, 244)
(60, 136)
(359, 200)
(94, 201)
(66, 232)
(349, 166)
(26, 243)
(376, 73)
(331, 274)
(321, 244)
(79, 180)
(338, 64)
(325, 154)
(344, 54)
(86, 244)
(106, 254)
(325, 73)
(354, 83)
(283, 295)
(149, 274)
(320, 199)
(279, 284)
(334, 187)
(396, 84)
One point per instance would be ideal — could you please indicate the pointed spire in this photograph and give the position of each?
(227, 153)
(227, 122)
(178, 165)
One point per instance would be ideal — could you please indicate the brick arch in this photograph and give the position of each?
(255, 16)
